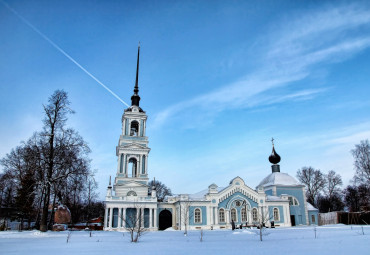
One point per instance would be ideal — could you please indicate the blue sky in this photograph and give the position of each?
(217, 79)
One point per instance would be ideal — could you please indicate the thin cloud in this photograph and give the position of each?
(315, 29)
(289, 59)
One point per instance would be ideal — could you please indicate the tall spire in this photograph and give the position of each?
(135, 99)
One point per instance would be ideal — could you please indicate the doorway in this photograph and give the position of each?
(165, 220)
(292, 220)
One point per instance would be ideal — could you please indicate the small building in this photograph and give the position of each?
(279, 200)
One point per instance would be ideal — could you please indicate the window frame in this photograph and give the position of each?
(243, 214)
(197, 220)
(235, 213)
(221, 212)
(276, 214)
(131, 128)
(134, 162)
(254, 214)
(293, 201)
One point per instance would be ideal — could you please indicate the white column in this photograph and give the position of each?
(155, 218)
(216, 216)
(125, 165)
(123, 217)
(137, 215)
(106, 218)
(119, 163)
(261, 214)
(124, 127)
(141, 165)
(119, 225)
(146, 164)
(150, 217)
(110, 217)
(174, 219)
(142, 217)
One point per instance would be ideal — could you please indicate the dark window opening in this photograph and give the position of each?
(134, 130)
(132, 165)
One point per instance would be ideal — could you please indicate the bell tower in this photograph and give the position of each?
(132, 150)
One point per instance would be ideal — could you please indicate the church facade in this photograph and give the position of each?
(279, 200)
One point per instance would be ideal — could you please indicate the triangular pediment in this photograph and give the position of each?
(134, 184)
(134, 146)
(237, 181)
(237, 185)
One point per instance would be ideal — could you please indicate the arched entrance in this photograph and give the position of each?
(165, 219)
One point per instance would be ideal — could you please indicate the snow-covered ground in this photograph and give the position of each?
(335, 239)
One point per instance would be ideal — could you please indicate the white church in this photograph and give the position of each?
(279, 200)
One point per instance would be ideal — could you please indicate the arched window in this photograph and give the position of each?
(131, 193)
(197, 216)
(276, 214)
(244, 215)
(134, 129)
(233, 214)
(293, 201)
(313, 218)
(133, 166)
(254, 214)
(222, 215)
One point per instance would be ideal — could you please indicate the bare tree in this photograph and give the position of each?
(185, 215)
(332, 199)
(315, 182)
(90, 195)
(352, 198)
(334, 181)
(361, 155)
(263, 218)
(55, 117)
(20, 166)
(8, 193)
(330, 204)
(48, 163)
(357, 198)
(133, 222)
(63, 149)
(162, 190)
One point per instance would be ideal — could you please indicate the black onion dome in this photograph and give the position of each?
(274, 157)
